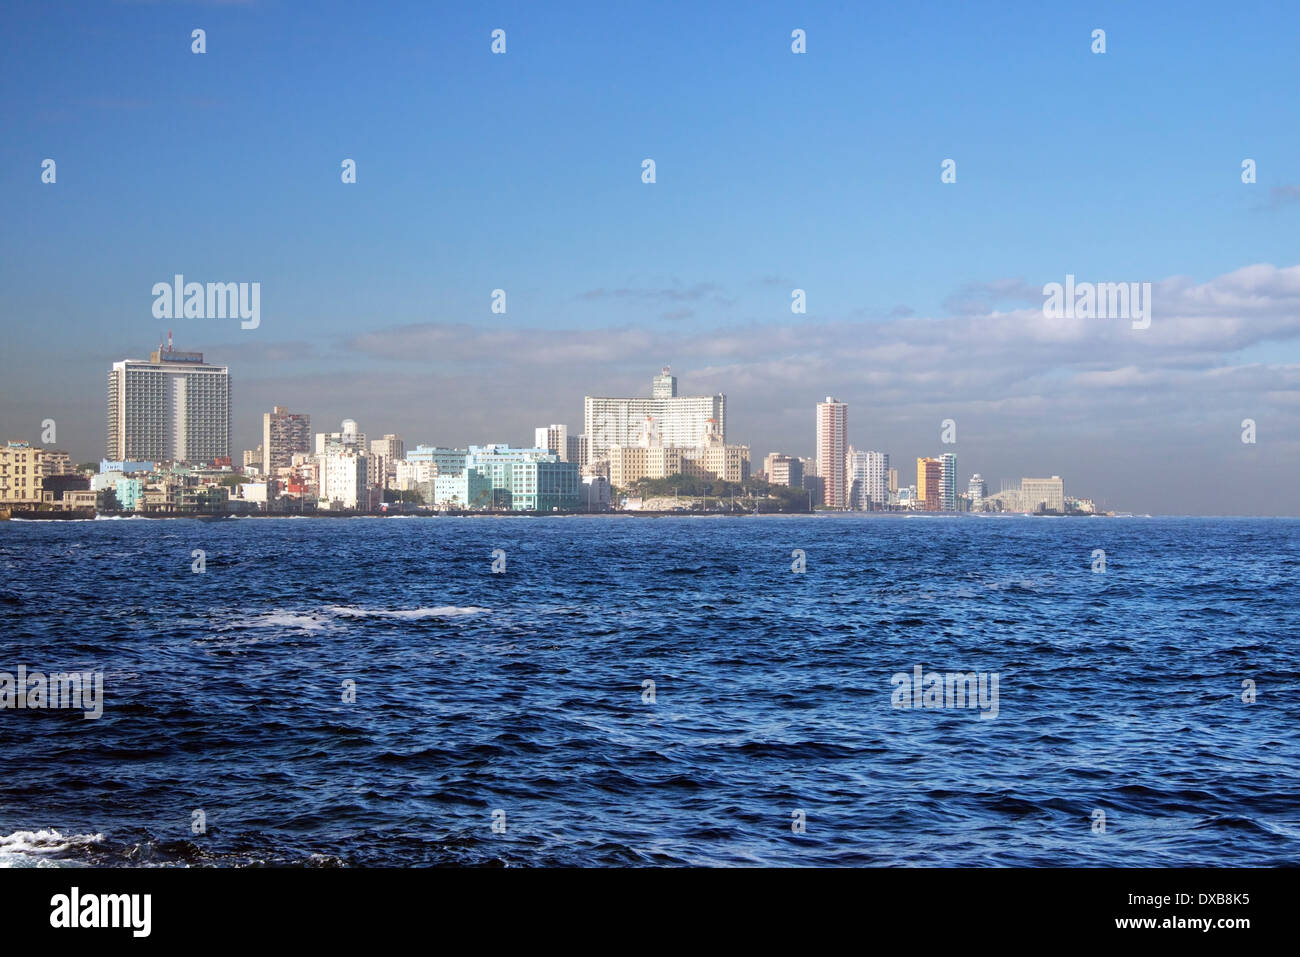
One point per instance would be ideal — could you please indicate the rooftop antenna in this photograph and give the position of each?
(169, 340)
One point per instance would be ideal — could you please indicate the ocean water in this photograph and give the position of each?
(520, 697)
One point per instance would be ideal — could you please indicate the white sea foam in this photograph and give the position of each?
(442, 611)
(285, 619)
(31, 848)
(46, 521)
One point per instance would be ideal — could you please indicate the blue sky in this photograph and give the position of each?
(774, 171)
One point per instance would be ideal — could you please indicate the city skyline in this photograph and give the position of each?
(154, 406)
(924, 299)
(937, 492)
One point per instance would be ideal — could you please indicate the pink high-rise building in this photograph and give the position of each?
(832, 445)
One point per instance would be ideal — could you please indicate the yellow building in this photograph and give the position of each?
(21, 468)
(631, 463)
(929, 490)
(1047, 493)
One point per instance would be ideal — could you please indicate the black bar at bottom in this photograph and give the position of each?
(328, 907)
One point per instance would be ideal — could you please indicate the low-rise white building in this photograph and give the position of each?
(253, 492)
(410, 475)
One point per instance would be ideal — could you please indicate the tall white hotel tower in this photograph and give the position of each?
(173, 408)
(832, 446)
(683, 421)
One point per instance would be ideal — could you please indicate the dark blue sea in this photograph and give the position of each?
(772, 739)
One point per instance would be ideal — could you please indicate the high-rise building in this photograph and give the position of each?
(283, 434)
(385, 453)
(1045, 493)
(832, 447)
(664, 385)
(172, 408)
(929, 492)
(976, 489)
(855, 477)
(553, 438)
(893, 480)
(868, 476)
(683, 420)
(948, 482)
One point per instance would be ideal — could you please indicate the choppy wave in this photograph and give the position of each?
(654, 693)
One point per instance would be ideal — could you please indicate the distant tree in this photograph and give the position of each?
(409, 496)
(750, 495)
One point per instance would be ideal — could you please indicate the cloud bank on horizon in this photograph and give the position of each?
(1111, 407)
(1143, 419)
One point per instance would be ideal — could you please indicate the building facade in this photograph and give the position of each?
(929, 492)
(783, 470)
(1047, 494)
(385, 453)
(343, 479)
(576, 450)
(527, 479)
(446, 461)
(284, 433)
(684, 421)
(468, 488)
(409, 476)
(174, 408)
(21, 472)
(632, 463)
(948, 482)
(868, 477)
(832, 449)
(553, 438)
(348, 437)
